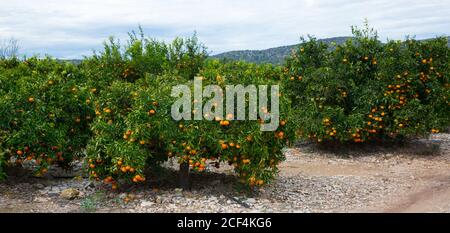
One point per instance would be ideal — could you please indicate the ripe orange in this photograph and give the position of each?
(151, 112)
(224, 146)
(19, 152)
(31, 99)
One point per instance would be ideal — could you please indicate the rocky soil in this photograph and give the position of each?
(396, 178)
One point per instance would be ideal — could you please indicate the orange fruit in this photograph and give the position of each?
(151, 112)
(224, 146)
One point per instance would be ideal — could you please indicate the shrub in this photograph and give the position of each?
(140, 56)
(44, 113)
(366, 90)
(139, 131)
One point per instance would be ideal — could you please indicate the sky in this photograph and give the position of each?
(73, 29)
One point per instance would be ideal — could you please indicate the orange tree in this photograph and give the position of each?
(113, 77)
(134, 129)
(44, 112)
(366, 90)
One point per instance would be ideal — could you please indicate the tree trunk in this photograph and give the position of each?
(184, 176)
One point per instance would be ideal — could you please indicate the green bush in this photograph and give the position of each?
(138, 130)
(367, 90)
(44, 113)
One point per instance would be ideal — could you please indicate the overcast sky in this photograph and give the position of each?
(71, 29)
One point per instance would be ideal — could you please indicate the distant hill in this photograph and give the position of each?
(73, 61)
(272, 55)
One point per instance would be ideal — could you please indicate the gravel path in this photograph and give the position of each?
(409, 178)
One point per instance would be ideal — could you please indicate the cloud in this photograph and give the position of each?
(70, 29)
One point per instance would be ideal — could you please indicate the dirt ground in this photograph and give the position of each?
(414, 177)
(423, 165)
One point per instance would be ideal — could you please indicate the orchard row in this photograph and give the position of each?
(114, 109)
